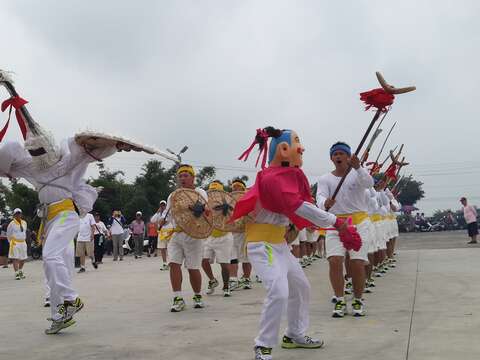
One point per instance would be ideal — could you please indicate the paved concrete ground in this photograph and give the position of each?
(427, 308)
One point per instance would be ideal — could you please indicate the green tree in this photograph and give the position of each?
(205, 176)
(410, 191)
(154, 184)
(4, 191)
(228, 185)
(23, 197)
(115, 192)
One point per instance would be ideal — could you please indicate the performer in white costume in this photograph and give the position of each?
(57, 175)
(281, 194)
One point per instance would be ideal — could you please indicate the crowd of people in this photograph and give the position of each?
(353, 209)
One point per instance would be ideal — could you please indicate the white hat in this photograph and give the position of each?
(163, 202)
(17, 211)
(139, 213)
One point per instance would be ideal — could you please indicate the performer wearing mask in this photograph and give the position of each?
(282, 194)
(57, 175)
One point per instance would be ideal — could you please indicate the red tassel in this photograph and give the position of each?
(263, 150)
(377, 98)
(15, 102)
(391, 172)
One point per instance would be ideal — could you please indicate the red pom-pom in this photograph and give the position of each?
(378, 98)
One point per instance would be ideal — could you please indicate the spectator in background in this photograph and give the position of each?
(4, 246)
(99, 234)
(17, 234)
(85, 241)
(138, 232)
(117, 233)
(470, 215)
(152, 233)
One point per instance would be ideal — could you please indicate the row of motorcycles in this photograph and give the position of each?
(442, 225)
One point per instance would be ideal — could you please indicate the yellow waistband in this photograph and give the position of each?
(274, 234)
(357, 217)
(12, 243)
(165, 234)
(57, 208)
(376, 217)
(217, 233)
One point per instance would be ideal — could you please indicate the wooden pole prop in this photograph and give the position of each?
(381, 99)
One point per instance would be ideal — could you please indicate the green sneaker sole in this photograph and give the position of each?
(64, 326)
(301, 346)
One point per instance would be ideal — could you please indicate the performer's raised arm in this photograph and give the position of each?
(79, 153)
(14, 160)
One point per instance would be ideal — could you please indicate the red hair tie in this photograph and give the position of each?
(263, 136)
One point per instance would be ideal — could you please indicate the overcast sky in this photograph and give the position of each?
(208, 73)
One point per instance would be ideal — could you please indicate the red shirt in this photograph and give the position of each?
(152, 229)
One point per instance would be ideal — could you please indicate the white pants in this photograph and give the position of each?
(182, 248)
(288, 290)
(58, 258)
(238, 249)
(218, 249)
(380, 234)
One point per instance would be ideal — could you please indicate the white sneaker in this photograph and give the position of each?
(340, 309)
(263, 353)
(358, 308)
(164, 267)
(227, 293)
(348, 288)
(233, 284)
(178, 304)
(212, 284)
(305, 342)
(198, 302)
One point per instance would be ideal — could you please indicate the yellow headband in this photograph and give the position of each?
(241, 184)
(186, 168)
(215, 186)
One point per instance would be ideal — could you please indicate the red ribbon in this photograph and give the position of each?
(15, 102)
(391, 172)
(261, 134)
(377, 98)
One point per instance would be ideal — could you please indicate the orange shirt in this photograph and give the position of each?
(152, 229)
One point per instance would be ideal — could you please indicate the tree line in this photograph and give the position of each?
(154, 183)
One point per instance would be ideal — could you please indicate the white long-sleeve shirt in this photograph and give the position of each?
(15, 231)
(351, 197)
(307, 211)
(61, 181)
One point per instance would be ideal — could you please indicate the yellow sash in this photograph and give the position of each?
(13, 242)
(273, 234)
(217, 233)
(165, 234)
(357, 217)
(52, 211)
(376, 217)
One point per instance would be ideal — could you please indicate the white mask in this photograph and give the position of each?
(43, 150)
